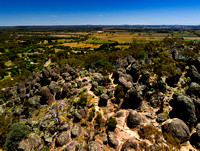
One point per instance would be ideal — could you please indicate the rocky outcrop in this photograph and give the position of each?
(183, 108)
(177, 128)
(133, 98)
(112, 140)
(134, 119)
(32, 143)
(103, 100)
(195, 138)
(62, 139)
(76, 130)
(128, 145)
(94, 146)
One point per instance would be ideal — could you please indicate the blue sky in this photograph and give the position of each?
(99, 12)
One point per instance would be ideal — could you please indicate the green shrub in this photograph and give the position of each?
(172, 141)
(98, 119)
(112, 122)
(91, 115)
(17, 132)
(151, 133)
(100, 90)
(5, 121)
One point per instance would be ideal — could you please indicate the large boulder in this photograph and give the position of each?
(134, 119)
(173, 80)
(133, 98)
(32, 143)
(128, 145)
(44, 122)
(62, 139)
(176, 128)
(195, 138)
(72, 71)
(183, 108)
(94, 146)
(34, 101)
(121, 63)
(112, 140)
(161, 117)
(194, 89)
(126, 84)
(65, 126)
(193, 73)
(36, 142)
(76, 130)
(134, 71)
(103, 100)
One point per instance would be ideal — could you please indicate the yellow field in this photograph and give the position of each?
(81, 45)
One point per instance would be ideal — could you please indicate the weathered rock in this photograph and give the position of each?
(133, 98)
(129, 144)
(126, 84)
(24, 145)
(134, 119)
(72, 146)
(183, 108)
(45, 122)
(121, 63)
(173, 80)
(194, 89)
(103, 100)
(90, 104)
(32, 143)
(134, 71)
(76, 130)
(161, 85)
(34, 101)
(65, 126)
(145, 77)
(193, 74)
(72, 71)
(161, 118)
(36, 142)
(112, 140)
(94, 146)
(62, 139)
(177, 128)
(97, 76)
(195, 138)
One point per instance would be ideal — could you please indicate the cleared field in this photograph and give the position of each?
(81, 45)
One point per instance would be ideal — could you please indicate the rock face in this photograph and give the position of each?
(128, 145)
(65, 126)
(194, 89)
(76, 130)
(62, 139)
(183, 108)
(32, 143)
(103, 100)
(133, 98)
(94, 146)
(195, 138)
(193, 73)
(134, 119)
(71, 147)
(161, 117)
(177, 128)
(112, 140)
